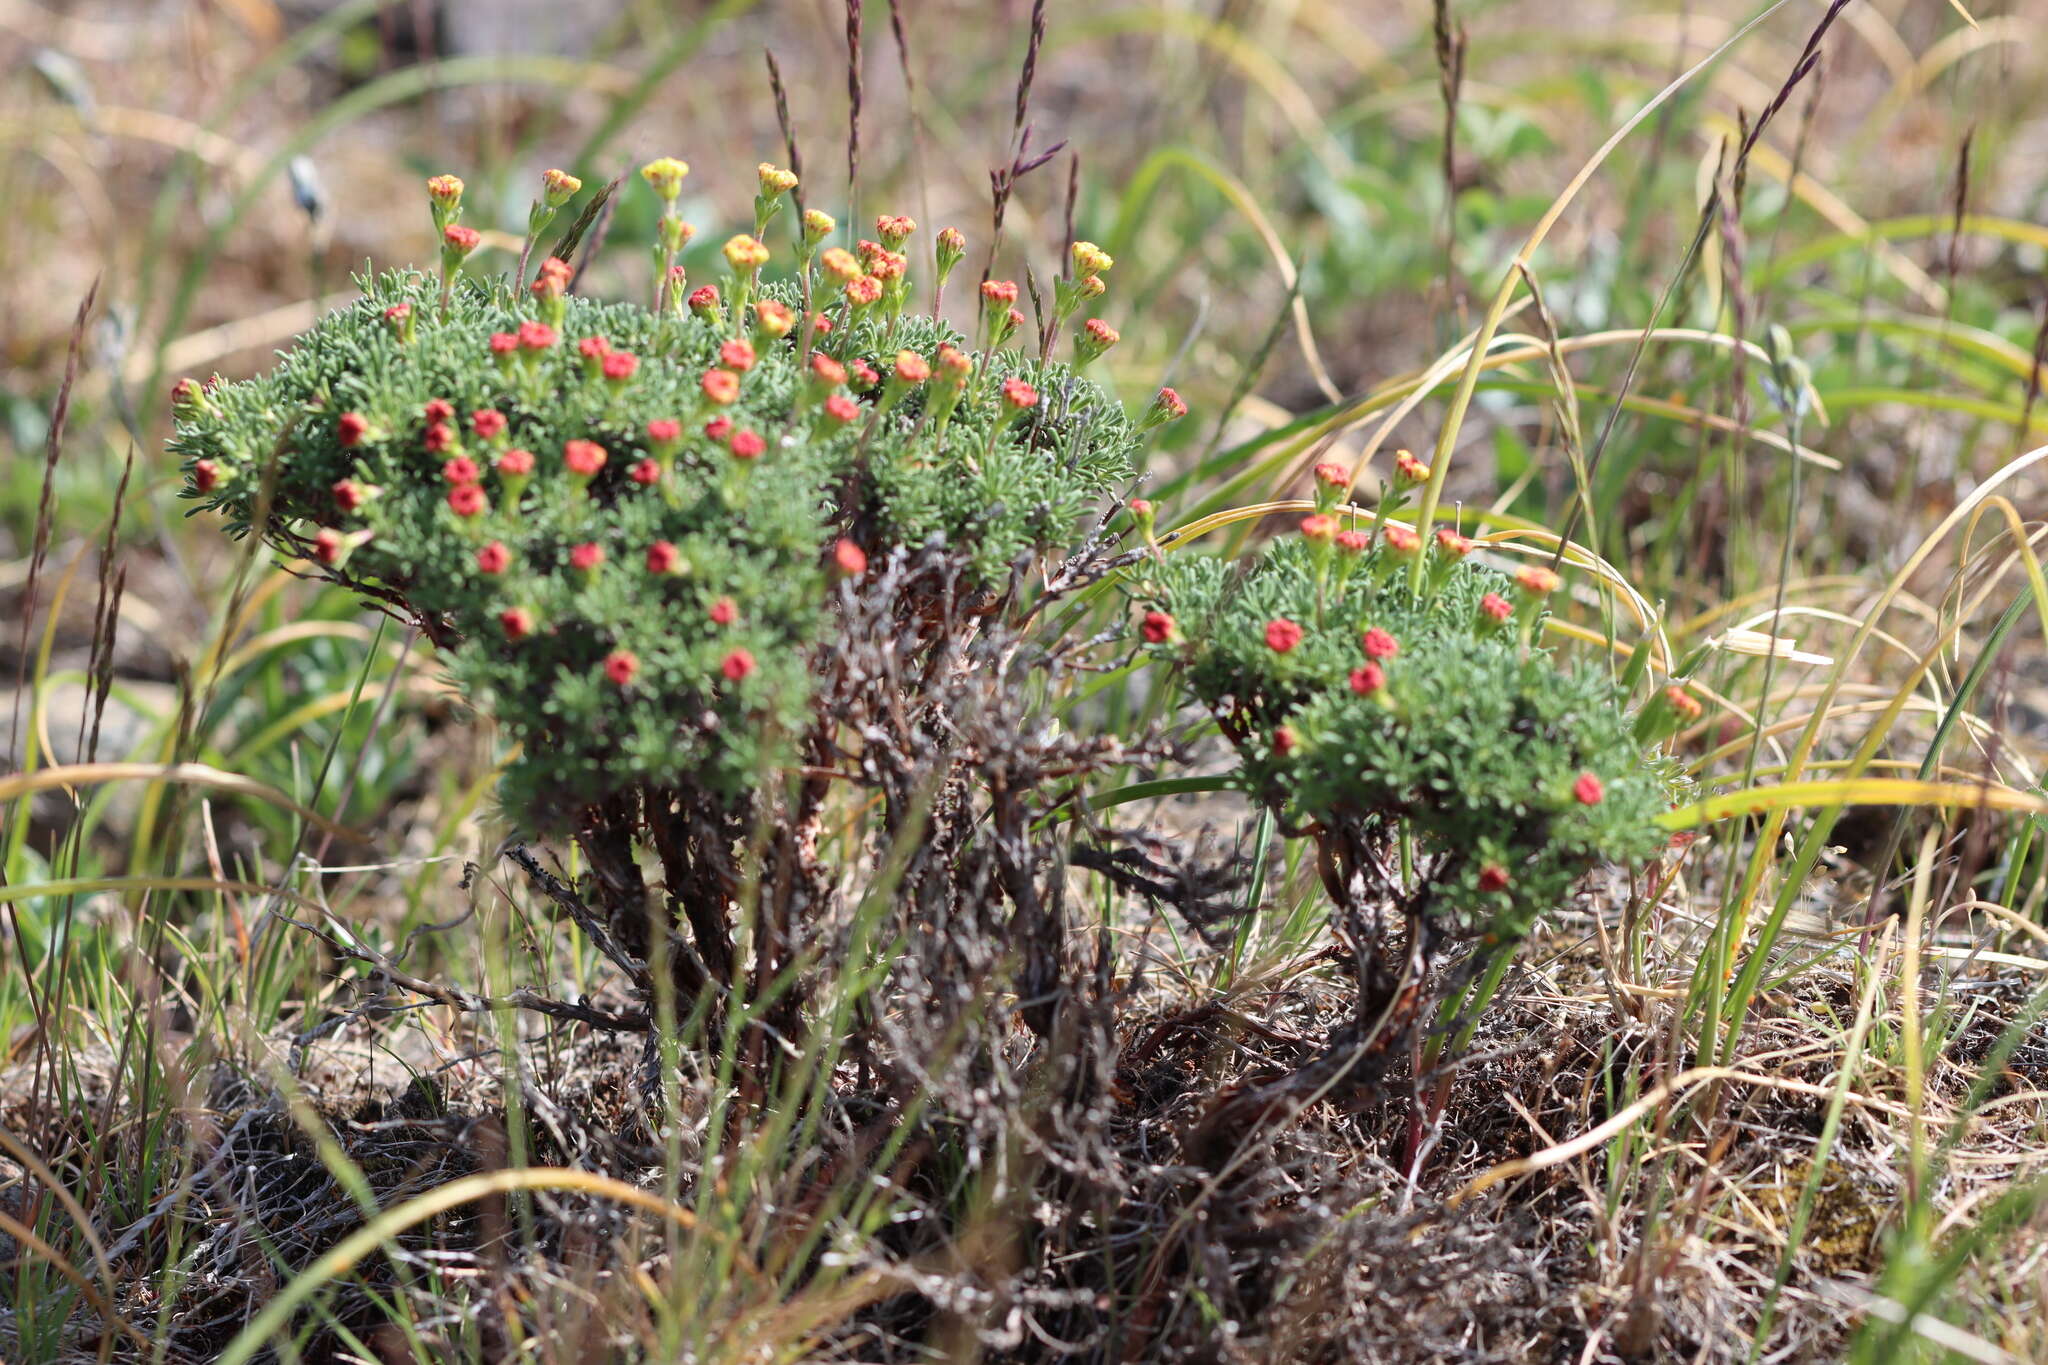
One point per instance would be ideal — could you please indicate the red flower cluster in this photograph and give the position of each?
(721, 387)
(1683, 702)
(1380, 646)
(552, 279)
(1282, 635)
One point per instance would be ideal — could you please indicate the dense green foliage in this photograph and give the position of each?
(678, 650)
(1352, 698)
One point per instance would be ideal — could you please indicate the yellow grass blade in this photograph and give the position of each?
(187, 774)
(1861, 791)
(266, 1326)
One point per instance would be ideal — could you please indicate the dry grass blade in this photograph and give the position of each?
(46, 502)
(854, 100)
(183, 774)
(1468, 382)
(780, 92)
(585, 225)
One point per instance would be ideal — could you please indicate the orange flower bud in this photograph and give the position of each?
(721, 386)
(665, 176)
(849, 559)
(743, 253)
(1090, 259)
(558, 188)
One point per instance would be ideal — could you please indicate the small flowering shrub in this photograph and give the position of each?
(623, 524)
(1362, 706)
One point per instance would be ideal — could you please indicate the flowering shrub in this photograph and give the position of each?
(1392, 703)
(1360, 706)
(623, 524)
